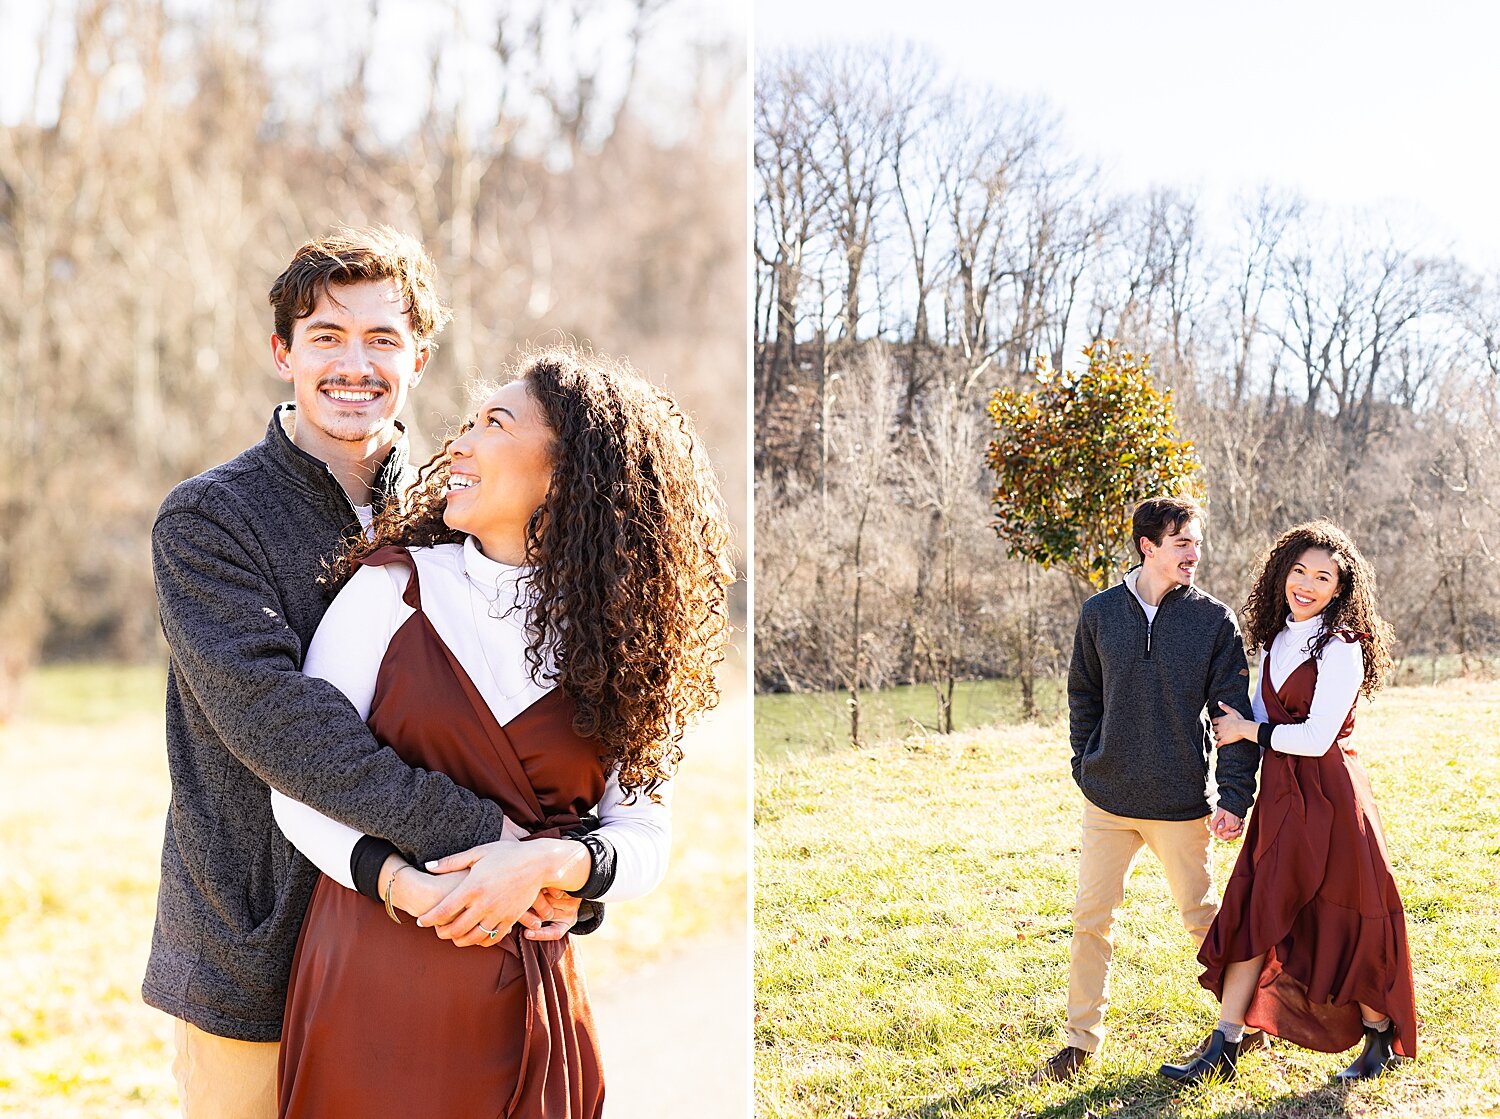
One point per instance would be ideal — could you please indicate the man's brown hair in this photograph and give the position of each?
(353, 256)
(1156, 518)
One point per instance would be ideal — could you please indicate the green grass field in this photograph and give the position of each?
(818, 722)
(84, 796)
(913, 907)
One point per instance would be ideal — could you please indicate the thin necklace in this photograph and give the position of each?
(475, 587)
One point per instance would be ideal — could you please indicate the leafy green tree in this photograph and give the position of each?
(1073, 455)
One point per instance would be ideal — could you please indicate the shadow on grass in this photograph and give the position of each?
(1326, 1102)
(1110, 1097)
(1144, 1096)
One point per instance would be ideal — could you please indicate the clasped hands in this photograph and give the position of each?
(495, 886)
(1225, 825)
(1229, 727)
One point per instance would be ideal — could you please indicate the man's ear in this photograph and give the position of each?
(424, 355)
(281, 355)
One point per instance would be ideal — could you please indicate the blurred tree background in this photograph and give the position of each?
(574, 166)
(922, 242)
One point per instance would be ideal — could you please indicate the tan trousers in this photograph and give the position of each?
(1110, 846)
(220, 1078)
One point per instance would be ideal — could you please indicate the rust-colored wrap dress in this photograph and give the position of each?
(389, 1020)
(1313, 890)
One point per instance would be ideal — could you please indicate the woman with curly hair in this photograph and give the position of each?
(1310, 942)
(539, 619)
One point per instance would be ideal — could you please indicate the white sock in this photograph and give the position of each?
(1383, 1024)
(1234, 1034)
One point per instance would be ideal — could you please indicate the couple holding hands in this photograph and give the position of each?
(1309, 943)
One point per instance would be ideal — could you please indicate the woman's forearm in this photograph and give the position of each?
(400, 882)
(412, 890)
(563, 863)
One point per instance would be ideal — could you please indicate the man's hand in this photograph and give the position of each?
(1225, 825)
(512, 830)
(554, 913)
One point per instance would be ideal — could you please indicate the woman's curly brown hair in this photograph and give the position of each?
(1352, 610)
(630, 559)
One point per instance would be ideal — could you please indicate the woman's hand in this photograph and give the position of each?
(414, 891)
(505, 880)
(1232, 727)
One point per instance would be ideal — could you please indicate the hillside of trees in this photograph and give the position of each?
(921, 242)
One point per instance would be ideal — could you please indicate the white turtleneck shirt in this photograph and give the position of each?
(471, 601)
(1341, 670)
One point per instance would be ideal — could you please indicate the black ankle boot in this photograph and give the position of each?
(1216, 1062)
(1374, 1057)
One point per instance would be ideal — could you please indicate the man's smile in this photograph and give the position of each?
(342, 394)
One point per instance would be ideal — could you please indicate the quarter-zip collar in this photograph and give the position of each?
(312, 475)
(1130, 580)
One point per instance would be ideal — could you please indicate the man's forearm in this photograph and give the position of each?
(1234, 774)
(237, 662)
(304, 739)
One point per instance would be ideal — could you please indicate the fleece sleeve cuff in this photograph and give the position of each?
(365, 861)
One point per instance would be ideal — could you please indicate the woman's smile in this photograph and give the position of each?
(509, 441)
(1311, 584)
(459, 482)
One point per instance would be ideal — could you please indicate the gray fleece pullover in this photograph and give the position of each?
(236, 554)
(1139, 702)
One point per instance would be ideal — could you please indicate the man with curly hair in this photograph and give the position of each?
(237, 553)
(1150, 656)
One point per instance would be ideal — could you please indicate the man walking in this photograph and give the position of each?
(1149, 656)
(237, 552)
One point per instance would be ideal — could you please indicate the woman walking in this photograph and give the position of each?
(1310, 942)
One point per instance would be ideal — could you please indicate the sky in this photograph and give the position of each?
(1390, 108)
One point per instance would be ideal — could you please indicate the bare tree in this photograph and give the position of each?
(940, 471)
(789, 214)
(1262, 221)
(1348, 305)
(862, 429)
(850, 96)
(997, 146)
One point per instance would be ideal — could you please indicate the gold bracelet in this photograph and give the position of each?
(390, 910)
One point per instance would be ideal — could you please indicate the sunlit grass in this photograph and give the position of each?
(84, 796)
(913, 907)
(814, 722)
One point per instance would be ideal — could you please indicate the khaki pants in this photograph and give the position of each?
(220, 1078)
(1110, 845)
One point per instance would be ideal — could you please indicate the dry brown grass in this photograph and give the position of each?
(85, 794)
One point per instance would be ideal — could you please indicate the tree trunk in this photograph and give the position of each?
(1028, 653)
